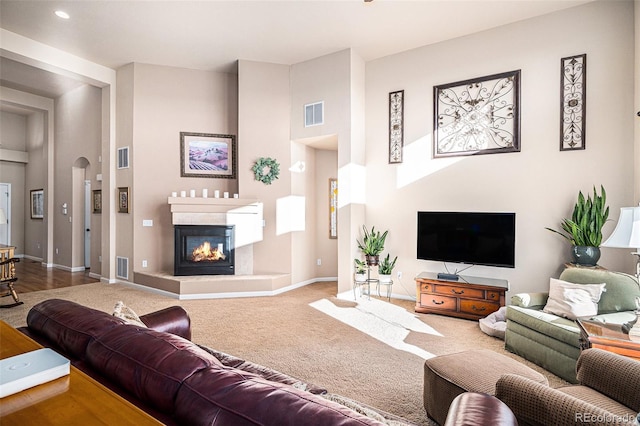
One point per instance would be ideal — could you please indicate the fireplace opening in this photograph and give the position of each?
(204, 250)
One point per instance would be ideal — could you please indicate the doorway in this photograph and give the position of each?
(5, 205)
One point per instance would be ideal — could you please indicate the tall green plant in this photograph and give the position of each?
(386, 265)
(372, 242)
(585, 226)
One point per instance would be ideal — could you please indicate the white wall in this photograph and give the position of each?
(540, 183)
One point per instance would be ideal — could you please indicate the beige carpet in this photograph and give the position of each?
(285, 333)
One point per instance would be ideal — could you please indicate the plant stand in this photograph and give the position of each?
(365, 286)
(388, 284)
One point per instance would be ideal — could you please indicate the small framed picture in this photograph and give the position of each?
(37, 204)
(97, 200)
(123, 199)
(207, 155)
(333, 208)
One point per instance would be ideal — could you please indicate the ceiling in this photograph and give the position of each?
(213, 35)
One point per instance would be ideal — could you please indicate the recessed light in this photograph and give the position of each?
(62, 14)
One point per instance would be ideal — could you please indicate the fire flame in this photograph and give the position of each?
(204, 253)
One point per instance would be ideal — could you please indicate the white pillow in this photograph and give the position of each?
(120, 310)
(571, 300)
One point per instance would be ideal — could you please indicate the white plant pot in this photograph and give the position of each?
(361, 277)
(384, 278)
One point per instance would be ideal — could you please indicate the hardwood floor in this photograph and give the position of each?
(32, 276)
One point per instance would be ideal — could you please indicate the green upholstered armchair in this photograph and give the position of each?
(608, 393)
(553, 342)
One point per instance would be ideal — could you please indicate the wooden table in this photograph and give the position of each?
(75, 399)
(595, 334)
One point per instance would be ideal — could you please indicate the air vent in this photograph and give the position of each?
(123, 158)
(314, 114)
(122, 267)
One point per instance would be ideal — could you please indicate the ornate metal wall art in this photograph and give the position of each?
(573, 92)
(396, 126)
(477, 116)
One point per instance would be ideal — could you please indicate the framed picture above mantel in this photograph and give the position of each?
(208, 155)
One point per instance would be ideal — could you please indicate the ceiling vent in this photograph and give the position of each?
(314, 114)
(123, 158)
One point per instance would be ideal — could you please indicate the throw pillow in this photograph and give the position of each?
(120, 310)
(571, 300)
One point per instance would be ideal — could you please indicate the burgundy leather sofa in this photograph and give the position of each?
(176, 381)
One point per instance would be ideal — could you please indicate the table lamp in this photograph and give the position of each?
(627, 233)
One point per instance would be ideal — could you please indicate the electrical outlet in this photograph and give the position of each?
(144, 263)
(399, 274)
(319, 262)
(56, 250)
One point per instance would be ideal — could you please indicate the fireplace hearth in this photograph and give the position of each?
(204, 250)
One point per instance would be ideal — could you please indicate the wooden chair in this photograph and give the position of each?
(8, 278)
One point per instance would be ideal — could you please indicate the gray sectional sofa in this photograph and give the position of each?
(553, 342)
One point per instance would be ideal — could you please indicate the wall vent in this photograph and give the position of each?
(122, 267)
(123, 158)
(314, 114)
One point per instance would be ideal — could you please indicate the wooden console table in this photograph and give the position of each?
(595, 334)
(470, 297)
(75, 399)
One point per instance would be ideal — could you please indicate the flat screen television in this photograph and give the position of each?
(475, 238)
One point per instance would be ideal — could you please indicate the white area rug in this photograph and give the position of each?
(383, 321)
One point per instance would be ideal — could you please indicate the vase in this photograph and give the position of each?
(585, 255)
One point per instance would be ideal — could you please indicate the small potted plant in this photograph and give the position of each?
(584, 229)
(361, 270)
(372, 244)
(385, 268)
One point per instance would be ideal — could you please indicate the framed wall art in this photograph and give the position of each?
(208, 155)
(37, 203)
(477, 116)
(96, 200)
(123, 199)
(333, 208)
(573, 102)
(396, 126)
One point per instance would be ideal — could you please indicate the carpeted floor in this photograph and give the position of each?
(285, 333)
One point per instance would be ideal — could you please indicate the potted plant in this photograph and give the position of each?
(372, 244)
(584, 229)
(361, 270)
(385, 268)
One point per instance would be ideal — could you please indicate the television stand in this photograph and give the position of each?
(469, 297)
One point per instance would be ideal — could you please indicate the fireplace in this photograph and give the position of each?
(204, 250)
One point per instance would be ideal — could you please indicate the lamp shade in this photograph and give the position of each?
(3, 217)
(627, 232)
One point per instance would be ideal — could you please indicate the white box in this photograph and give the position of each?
(30, 369)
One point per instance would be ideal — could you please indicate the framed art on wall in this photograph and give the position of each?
(333, 208)
(37, 203)
(396, 126)
(573, 102)
(477, 116)
(207, 155)
(123, 199)
(96, 200)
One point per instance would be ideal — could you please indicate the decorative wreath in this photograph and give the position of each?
(266, 170)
